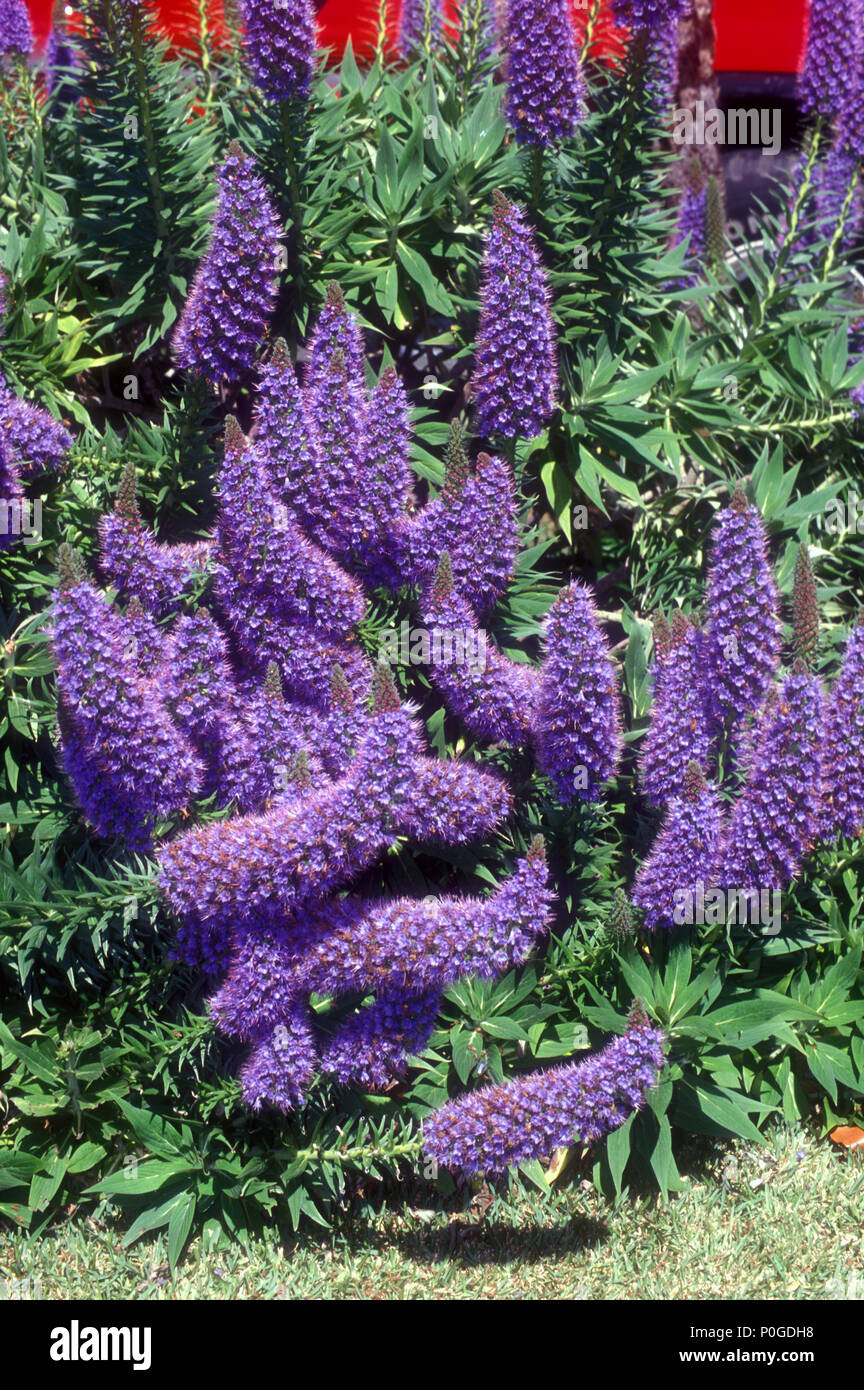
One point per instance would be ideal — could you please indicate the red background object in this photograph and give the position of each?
(752, 35)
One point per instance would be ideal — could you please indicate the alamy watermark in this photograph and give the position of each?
(437, 646)
(21, 516)
(712, 126)
(741, 907)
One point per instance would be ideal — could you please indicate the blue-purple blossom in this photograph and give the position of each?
(528, 1117)
(649, 15)
(227, 312)
(16, 35)
(681, 727)
(36, 440)
(516, 369)
(832, 57)
(544, 83)
(134, 562)
(692, 229)
(373, 1045)
(281, 433)
(684, 858)
(842, 809)
(281, 1065)
(280, 44)
(578, 723)
(743, 627)
(775, 819)
(11, 497)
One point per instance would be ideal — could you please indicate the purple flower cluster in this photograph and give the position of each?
(578, 728)
(225, 318)
(842, 811)
(649, 15)
(136, 565)
(528, 1117)
(35, 439)
(516, 370)
(544, 83)
(16, 35)
(11, 495)
(692, 229)
(833, 55)
(685, 855)
(280, 42)
(681, 727)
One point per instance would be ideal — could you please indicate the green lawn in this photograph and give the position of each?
(783, 1221)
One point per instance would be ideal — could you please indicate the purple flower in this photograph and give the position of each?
(233, 294)
(421, 26)
(744, 632)
(832, 57)
(336, 331)
(495, 698)
(282, 1066)
(544, 84)
(133, 562)
(16, 35)
(11, 496)
(373, 1045)
(528, 1117)
(649, 15)
(692, 229)
(281, 433)
(475, 519)
(775, 819)
(843, 757)
(681, 728)
(577, 737)
(35, 439)
(280, 43)
(516, 370)
(684, 858)
(129, 764)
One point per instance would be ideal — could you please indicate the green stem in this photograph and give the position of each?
(145, 112)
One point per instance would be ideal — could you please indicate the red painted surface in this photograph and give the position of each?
(752, 35)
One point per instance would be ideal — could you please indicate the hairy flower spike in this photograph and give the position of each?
(685, 856)
(280, 41)
(545, 89)
(528, 1117)
(281, 432)
(744, 632)
(577, 736)
(374, 1045)
(226, 315)
(16, 35)
(842, 809)
(516, 371)
(36, 441)
(681, 727)
(832, 57)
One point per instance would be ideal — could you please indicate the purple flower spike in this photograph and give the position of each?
(832, 56)
(280, 43)
(495, 698)
(680, 729)
(744, 631)
(134, 563)
(281, 434)
(35, 439)
(775, 819)
(545, 90)
(233, 294)
(421, 26)
(11, 497)
(336, 331)
(516, 371)
(528, 1117)
(843, 769)
(578, 733)
(684, 858)
(373, 1046)
(262, 987)
(282, 1066)
(129, 764)
(692, 229)
(650, 15)
(16, 35)
(475, 519)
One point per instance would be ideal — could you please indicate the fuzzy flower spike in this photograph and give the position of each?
(280, 41)
(545, 90)
(527, 1117)
(684, 859)
(225, 319)
(516, 372)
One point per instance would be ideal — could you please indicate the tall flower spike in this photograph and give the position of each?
(805, 609)
(16, 35)
(692, 229)
(35, 439)
(744, 632)
(775, 820)
(281, 434)
(494, 697)
(545, 89)
(280, 43)
(226, 315)
(681, 727)
(421, 26)
(832, 55)
(528, 1117)
(282, 1065)
(334, 494)
(516, 370)
(336, 330)
(842, 809)
(476, 520)
(577, 737)
(129, 764)
(685, 856)
(11, 497)
(133, 562)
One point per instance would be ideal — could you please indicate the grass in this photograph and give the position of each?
(783, 1221)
